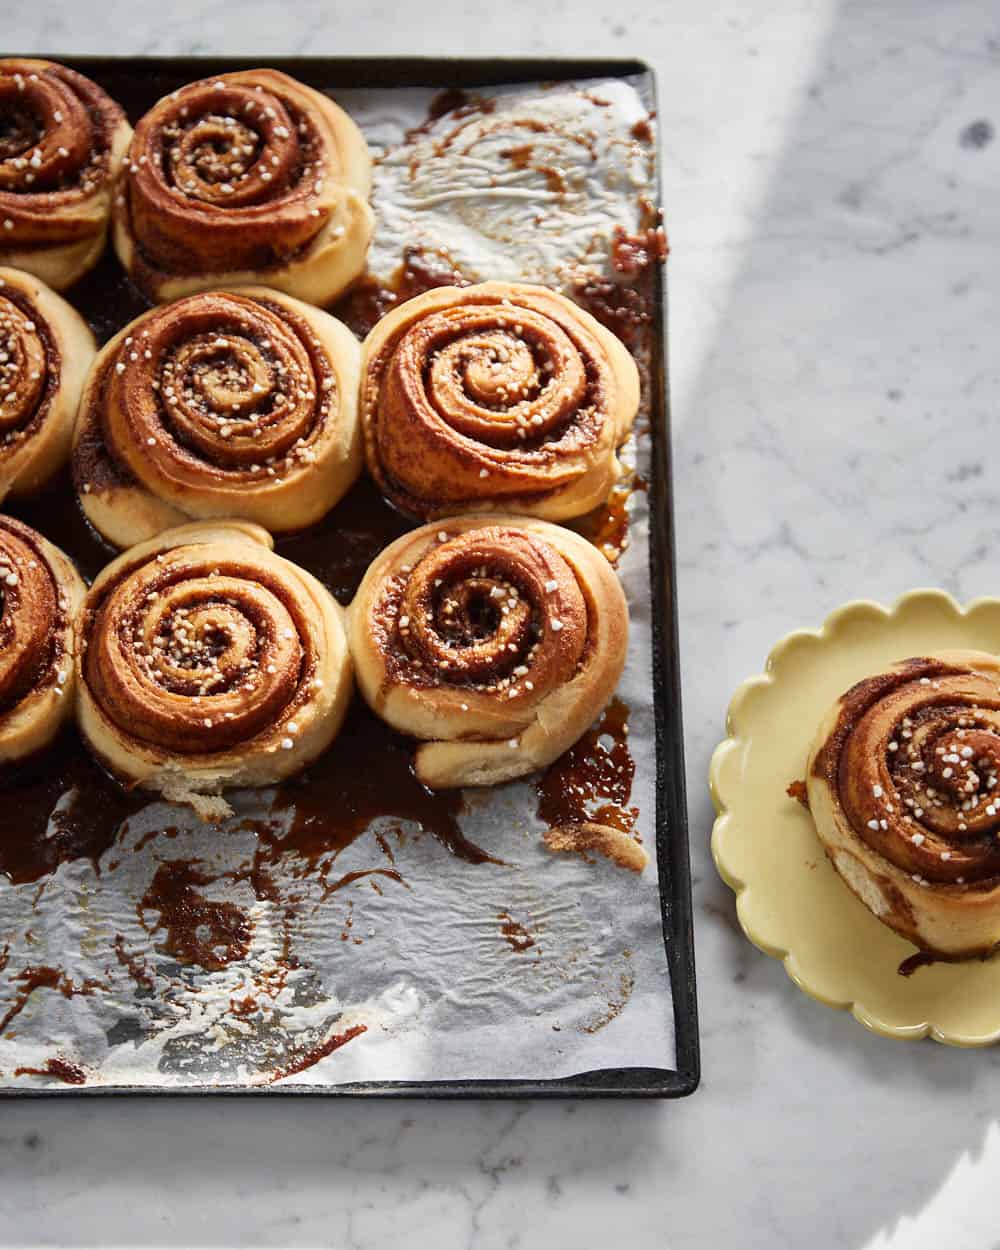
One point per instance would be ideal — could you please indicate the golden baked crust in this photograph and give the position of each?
(614, 844)
(45, 352)
(904, 789)
(41, 597)
(62, 145)
(247, 177)
(209, 662)
(497, 397)
(239, 403)
(494, 640)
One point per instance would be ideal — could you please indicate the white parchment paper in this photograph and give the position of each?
(422, 963)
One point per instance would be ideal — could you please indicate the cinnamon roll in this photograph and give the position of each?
(40, 597)
(247, 177)
(237, 403)
(208, 662)
(503, 397)
(45, 352)
(61, 146)
(904, 788)
(496, 641)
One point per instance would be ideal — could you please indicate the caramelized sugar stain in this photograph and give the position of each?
(309, 1057)
(361, 874)
(607, 526)
(105, 297)
(919, 959)
(133, 963)
(44, 977)
(61, 1069)
(451, 100)
(171, 831)
(634, 255)
(797, 790)
(55, 512)
(592, 782)
(924, 959)
(345, 932)
(367, 775)
(368, 300)
(515, 934)
(340, 548)
(521, 157)
(325, 811)
(626, 302)
(624, 309)
(83, 828)
(198, 930)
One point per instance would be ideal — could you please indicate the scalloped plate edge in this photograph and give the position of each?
(724, 814)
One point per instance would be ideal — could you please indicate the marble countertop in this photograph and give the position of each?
(832, 179)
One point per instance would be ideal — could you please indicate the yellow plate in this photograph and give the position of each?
(790, 901)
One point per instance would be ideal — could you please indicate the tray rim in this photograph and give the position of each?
(671, 820)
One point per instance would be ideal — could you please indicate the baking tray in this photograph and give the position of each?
(137, 83)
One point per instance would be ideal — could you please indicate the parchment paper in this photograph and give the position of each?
(423, 963)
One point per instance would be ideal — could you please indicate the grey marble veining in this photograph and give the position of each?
(832, 173)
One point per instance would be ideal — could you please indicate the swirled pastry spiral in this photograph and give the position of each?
(209, 662)
(61, 146)
(904, 788)
(40, 597)
(45, 352)
(248, 177)
(497, 397)
(495, 640)
(227, 403)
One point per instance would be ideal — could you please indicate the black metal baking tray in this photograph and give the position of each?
(138, 83)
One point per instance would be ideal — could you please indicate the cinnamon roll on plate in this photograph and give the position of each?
(61, 145)
(40, 597)
(208, 662)
(246, 177)
(903, 784)
(497, 397)
(857, 800)
(494, 641)
(238, 403)
(45, 352)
